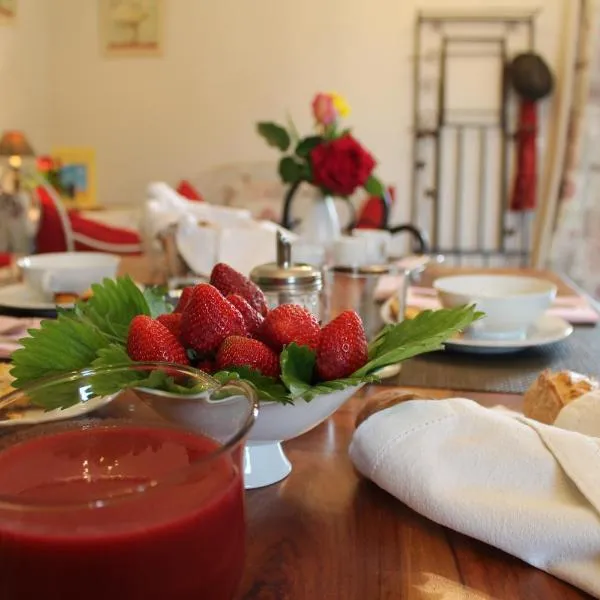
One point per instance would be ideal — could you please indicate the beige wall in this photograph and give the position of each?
(229, 63)
(24, 73)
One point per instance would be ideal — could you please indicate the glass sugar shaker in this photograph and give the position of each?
(284, 282)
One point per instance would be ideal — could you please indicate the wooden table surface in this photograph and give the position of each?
(327, 533)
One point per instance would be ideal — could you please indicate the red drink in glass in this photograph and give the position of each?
(92, 525)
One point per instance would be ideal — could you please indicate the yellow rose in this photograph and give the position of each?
(340, 104)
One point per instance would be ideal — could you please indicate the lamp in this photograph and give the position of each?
(14, 144)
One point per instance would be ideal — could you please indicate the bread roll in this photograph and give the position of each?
(551, 391)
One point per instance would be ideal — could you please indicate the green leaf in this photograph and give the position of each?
(290, 171)
(73, 340)
(425, 333)
(156, 298)
(374, 187)
(112, 306)
(307, 144)
(267, 388)
(58, 346)
(275, 135)
(327, 387)
(297, 368)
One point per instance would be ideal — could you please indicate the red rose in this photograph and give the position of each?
(341, 165)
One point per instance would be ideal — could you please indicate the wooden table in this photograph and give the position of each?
(327, 533)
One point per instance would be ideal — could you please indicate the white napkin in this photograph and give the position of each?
(530, 489)
(206, 233)
(12, 329)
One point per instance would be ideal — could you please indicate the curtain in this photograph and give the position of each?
(575, 248)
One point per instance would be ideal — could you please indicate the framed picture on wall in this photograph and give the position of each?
(131, 27)
(76, 176)
(8, 11)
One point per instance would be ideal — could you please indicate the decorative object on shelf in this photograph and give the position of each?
(14, 145)
(19, 209)
(131, 27)
(330, 159)
(72, 172)
(8, 11)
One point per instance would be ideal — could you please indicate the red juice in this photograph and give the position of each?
(180, 540)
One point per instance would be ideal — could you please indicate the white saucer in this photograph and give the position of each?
(18, 299)
(548, 329)
(35, 416)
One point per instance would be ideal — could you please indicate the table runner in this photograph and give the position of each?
(504, 373)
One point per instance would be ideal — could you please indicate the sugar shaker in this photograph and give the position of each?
(284, 282)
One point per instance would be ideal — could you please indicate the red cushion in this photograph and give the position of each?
(187, 190)
(50, 236)
(101, 232)
(370, 214)
(5, 259)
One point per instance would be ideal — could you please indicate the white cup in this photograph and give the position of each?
(351, 251)
(68, 272)
(308, 254)
(378, 244)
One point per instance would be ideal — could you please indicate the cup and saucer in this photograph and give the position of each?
(44, 276)
(515, 309)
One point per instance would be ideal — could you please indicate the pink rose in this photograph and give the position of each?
(324, 109)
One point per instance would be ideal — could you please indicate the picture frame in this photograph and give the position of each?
(76, 176)
(131, 28)
(8, 11)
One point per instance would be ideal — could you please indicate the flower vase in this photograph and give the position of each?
(321, 224)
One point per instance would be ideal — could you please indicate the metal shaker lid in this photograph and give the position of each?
(285, 276)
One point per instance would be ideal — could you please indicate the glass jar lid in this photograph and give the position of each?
(285, 276)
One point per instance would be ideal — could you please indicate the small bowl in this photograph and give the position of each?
(511, 303)
(67, 272)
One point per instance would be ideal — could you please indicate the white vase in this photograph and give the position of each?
(320, 223)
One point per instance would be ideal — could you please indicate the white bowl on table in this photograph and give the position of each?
(511, 303)
(68, 272)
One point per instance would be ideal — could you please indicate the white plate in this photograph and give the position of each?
(549, 329)
(20, 298)
(35, 416)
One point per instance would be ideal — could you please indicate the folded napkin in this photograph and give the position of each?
(206, 234)
(12, 329)
(574, 309)
(530, 489)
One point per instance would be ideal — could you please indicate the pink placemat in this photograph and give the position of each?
(12, 329)
(577, 310)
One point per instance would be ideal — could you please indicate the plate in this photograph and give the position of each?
(35, 416)
(18, 300)
(549, 329)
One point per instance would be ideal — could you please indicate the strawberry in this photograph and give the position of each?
(237, 351)
(172, 322)
(342, 347)
(186, 294)
(290, 323)
(148, 340)
(252, 317)
(206, 365)
(208, 319)
(229, 281)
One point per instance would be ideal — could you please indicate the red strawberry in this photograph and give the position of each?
(207, 365)
(172, 322)
(252, 317)
(186, 294)
(208, 319)
(342, 347)
(149, 340)
(237, 351)
(290, 323)
(229, 281)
